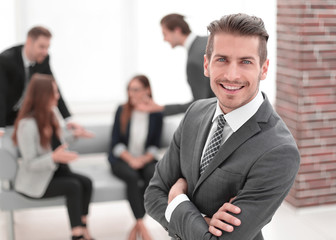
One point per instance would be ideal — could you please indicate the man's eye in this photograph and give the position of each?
(246, 62)
(221, 59)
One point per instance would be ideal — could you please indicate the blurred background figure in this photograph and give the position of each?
(17, 65)
(134, 145)
(176, 31)
(44, 171)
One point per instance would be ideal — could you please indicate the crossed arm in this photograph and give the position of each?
(221, 220)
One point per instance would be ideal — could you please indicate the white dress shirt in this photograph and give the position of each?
(234, 120)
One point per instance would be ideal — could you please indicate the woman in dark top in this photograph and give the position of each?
(135, 141)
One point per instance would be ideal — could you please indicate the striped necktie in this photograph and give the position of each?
(214, 144)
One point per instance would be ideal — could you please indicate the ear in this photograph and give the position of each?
(178, 30)
(264, 70)
(206, 66)
(29, 41)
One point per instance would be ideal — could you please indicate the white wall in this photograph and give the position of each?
(98, 45)
(7, 24)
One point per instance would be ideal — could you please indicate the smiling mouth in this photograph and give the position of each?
(231, 88)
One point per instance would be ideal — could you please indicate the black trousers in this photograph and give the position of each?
(77, 190)
(136, 181)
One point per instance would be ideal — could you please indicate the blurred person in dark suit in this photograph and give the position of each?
(177, 32)
(17, 65)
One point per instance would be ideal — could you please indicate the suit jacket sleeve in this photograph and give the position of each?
(166, 174)
(28, 142)
(267, 185)
(155, 130)
(3, 91)
(115, 135)
(200, 89)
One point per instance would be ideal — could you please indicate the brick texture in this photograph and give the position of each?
(306, 94)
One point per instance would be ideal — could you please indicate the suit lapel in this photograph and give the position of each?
(248, 130)
(202, 135)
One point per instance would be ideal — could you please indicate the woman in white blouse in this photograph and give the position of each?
(44, 171)
(135, 141)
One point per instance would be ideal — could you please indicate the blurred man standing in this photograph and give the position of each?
(176, 31)
(17, 65)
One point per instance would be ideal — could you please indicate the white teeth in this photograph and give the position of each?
(231, 87)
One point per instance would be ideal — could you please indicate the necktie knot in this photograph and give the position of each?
(221, 121)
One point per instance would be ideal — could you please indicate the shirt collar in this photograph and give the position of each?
(190, 39)
(26, 61)
(239, 116)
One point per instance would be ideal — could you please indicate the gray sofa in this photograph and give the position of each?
(106, 186)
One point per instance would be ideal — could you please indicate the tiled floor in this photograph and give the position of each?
(112, 221)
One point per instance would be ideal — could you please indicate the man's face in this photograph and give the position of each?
(234, 70)
(171, 36)
(37, 49)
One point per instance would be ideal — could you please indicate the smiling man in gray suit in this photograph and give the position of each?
(232, 148)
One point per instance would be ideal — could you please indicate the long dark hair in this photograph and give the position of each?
(36, 105)
(128, 107)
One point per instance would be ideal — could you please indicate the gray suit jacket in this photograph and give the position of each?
(257, 165)
(199, 84)
(37, 167)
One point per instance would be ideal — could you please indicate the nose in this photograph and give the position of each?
(232, 72)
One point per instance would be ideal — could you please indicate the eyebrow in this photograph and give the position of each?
(248, 57)
(241, 58)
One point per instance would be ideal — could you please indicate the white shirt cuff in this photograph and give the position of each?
(173, 204)
(118, 149)
(152, 150)
(69, 119)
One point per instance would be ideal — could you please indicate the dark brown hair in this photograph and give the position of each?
(240, 24)
(174, 20)
(37, 31)
(36, 105)
(128, 107)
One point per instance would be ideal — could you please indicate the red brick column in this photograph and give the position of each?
(306, 94)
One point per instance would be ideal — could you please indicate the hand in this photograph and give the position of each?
(134, 162)
(146, 158)
(62, 155)
(223, 220)
(83, 133)
(149, 106)
(73, 126)
(130, 160)
(79, 131)
(180, 187)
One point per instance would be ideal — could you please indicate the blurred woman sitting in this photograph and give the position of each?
(135, 141)
(44, 171)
